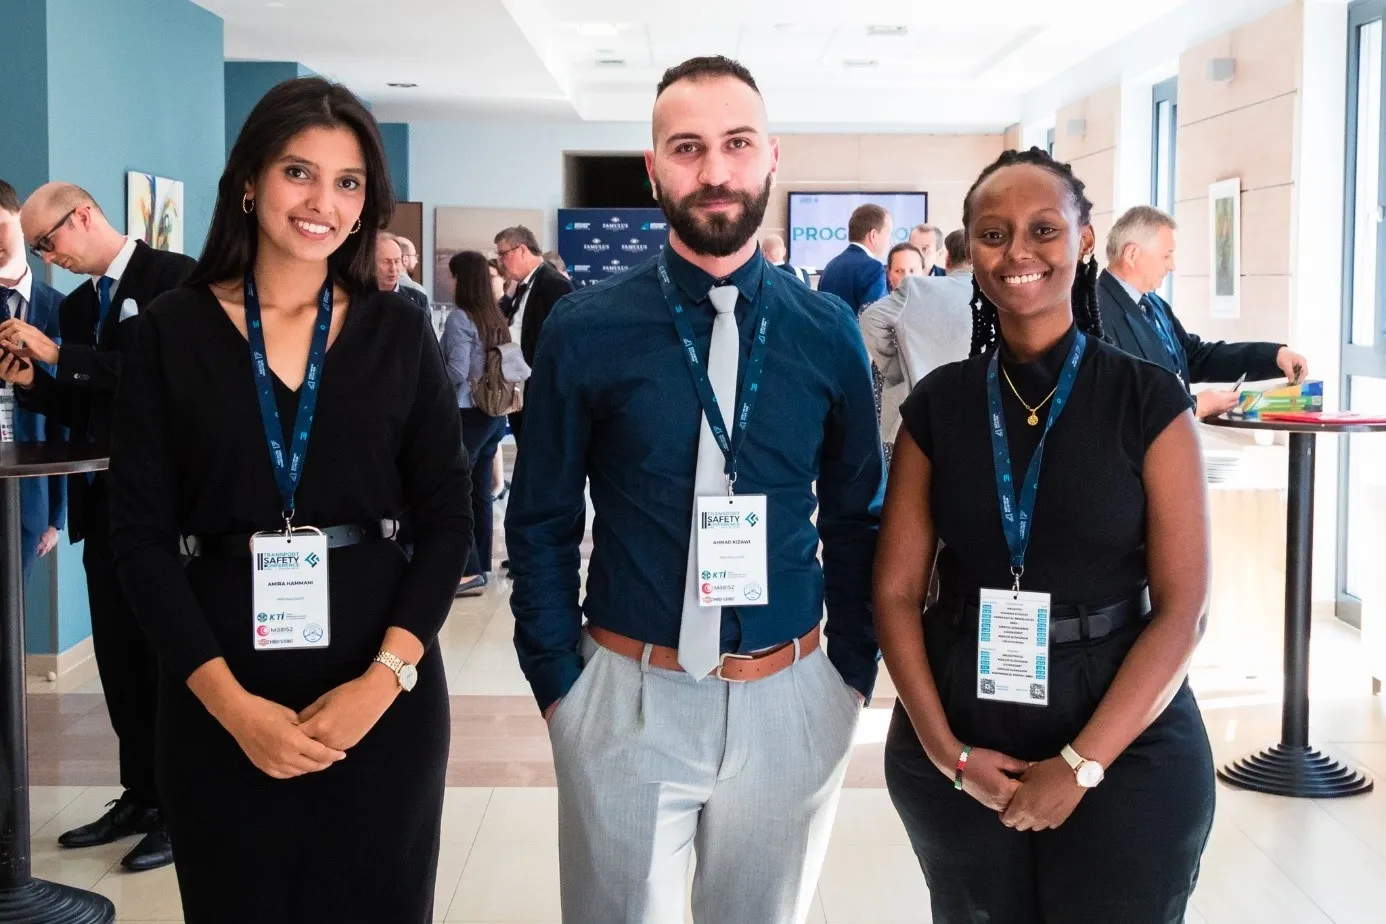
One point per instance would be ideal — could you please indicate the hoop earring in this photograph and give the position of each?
(356, 227)
(247, 204)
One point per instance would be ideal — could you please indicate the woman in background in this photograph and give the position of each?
(474, 328)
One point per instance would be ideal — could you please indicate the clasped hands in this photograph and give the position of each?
(285, 744)
(1028, 796)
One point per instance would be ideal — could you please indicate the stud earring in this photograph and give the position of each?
(247, 204)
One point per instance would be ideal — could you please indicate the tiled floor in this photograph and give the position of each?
(1270, 860)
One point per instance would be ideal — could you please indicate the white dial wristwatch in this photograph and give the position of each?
(1089, 772)
(407, 674)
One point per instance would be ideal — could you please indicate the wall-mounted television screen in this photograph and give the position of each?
(818, 221)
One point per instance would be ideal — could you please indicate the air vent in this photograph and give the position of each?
(887, 31)
(611, 62)
(402, 86)
(860, 62)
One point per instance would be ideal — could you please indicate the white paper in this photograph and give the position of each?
(732, 551)
(290, 608)
(1013, 647)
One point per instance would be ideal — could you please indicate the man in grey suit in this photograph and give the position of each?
(925, 323)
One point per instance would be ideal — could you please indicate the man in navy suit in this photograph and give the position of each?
(1140, 253)
(42, 501)
(64, 225)
(858, 274)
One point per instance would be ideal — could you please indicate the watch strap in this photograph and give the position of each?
(1072, 758)
(393, 662)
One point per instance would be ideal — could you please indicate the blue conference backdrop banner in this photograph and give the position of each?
(599, 243)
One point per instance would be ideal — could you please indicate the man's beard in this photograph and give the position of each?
(718, 234)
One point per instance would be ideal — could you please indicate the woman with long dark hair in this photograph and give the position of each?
(278, 417)
(1046, 754)
(469, 333)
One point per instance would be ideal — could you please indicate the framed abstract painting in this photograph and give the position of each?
(154, 210)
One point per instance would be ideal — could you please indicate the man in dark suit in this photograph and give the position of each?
(98, 319)
(42, 501)
(858, 274)
(773, 246)
(390, 273)
(538, 287)
(1140, 253)
(932, 247)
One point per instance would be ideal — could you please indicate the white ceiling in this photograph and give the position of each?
(957, 66)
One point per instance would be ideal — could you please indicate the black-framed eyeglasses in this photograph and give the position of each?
(45, 244)
(500, 254)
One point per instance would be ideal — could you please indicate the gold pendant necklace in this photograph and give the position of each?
(1033, 419)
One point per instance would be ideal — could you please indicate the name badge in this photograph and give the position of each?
(290, 608)
(1013, 647)
(732, 556)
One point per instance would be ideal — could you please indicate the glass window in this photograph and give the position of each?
(1164, 149)
(1366, 490)
(1049, 142)
(1366, 174)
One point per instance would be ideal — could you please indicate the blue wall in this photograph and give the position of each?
(24, 95)
(248, 81)
(145, 93)
(92, 89)
(396, 138)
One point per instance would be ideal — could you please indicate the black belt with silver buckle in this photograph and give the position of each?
(237, 545)
(1068, 622)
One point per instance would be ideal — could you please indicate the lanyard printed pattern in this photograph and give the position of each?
(287, 461)
(1016, 517)
(730, 444)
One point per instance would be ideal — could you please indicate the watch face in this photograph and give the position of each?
(1089, 775)
(408, 676)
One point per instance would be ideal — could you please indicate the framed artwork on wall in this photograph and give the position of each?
(154, 210)
(1225, 218)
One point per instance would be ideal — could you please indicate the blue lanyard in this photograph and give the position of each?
(288, 466)
(730, 444)
(1016, 518)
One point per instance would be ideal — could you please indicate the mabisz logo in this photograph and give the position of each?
(635, 246)
(615, 224)
(276, 561)
(597, 246)
(578, 226)
(721, 521)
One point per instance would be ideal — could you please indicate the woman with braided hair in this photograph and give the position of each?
(1046, 754)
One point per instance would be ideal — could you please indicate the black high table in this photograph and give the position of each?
(1294, 767)
(22, 897)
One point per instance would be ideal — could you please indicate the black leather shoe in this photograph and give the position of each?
(125, 817)
(152, 852)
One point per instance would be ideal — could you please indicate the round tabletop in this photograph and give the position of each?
(30, 460)
(1294, 426)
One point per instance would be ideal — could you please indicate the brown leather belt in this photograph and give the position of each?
(736, 668)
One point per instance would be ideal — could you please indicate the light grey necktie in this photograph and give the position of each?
(700, 632)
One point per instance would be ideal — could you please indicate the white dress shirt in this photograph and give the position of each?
(117, 267)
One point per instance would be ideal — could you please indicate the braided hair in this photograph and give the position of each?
(986, 330)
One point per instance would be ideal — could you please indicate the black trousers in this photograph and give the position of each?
(481, 436)
(1129, 853)
(125, 660)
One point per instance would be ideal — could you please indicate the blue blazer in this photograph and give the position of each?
(42, 501)
(854, 276)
